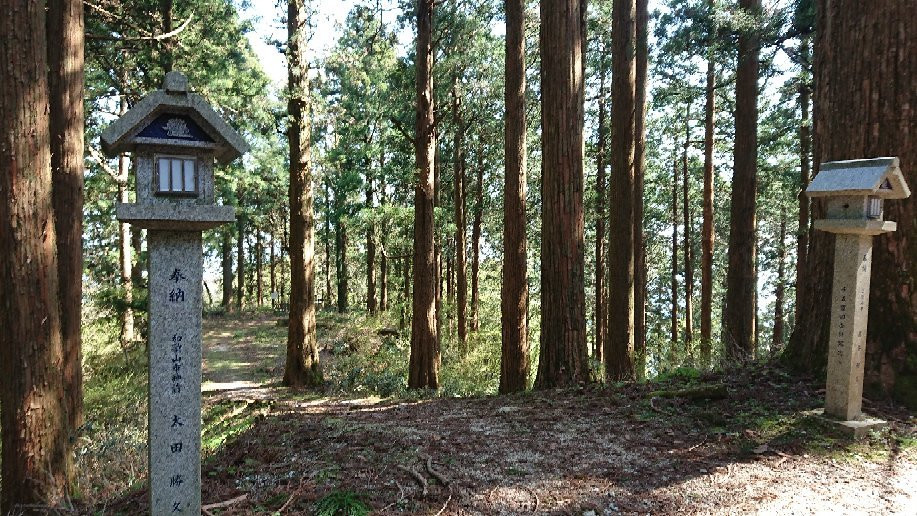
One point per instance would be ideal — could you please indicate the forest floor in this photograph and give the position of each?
(593, 450)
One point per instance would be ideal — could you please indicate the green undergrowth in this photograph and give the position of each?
(367, 363)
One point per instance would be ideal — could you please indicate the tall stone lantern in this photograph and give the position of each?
(174, 137)
(854, 192)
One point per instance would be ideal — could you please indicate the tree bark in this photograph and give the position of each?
(273, 268)
(226, 252)
(601, 199)
(240, 261)
(642, 22)
(371, 302)
(461, 279)
(259, 266)
(340, 230)
(805, 170)
(777, 337)
(424, 361)
(514, 356)
(302, 362)
(562, 353)
(65, 93)
(34, 422)
(739, 338)
(619, 347)
(689, 260)
(865, 62)
(124, 241)
(708, 237)
(673, 338)
(328, 217)
(476, 236)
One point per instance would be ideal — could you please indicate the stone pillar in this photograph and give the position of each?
(176, 268)
(849, 311)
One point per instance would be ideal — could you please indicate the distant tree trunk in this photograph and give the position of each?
(65, 87)
(562, 354)
(34, 422)
(674, 272)
(476, 236)
(371, 303)
(226, 252)
(739, 339)
(302, 361)
(240, 261)
(461, 280)
(342, 273)
(424, 362)
(437, 240)
(124, 244)
(514, 359)
(689, 260)
(166, 45)
(707, 238)
(805, 170)
(866, 114)
(124, 258)
(642, 21)
(619, 347)
(383, 279)
(284, 250)
(259, 266)
(273, 259)
(777, 337)
(328, 217)
(137, 266)
(601, 199)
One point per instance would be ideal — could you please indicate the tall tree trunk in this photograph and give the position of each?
(124, 239)
(259, 266)
(739, 338)
(328, 217)
(371, 302)
(562, 353)
(34, 422)
(461, 280)
(342, 273)
(514, 356)
(383, 261)
(865, 62)
(302, 362)
(383, 280)
(707, 238)
(240, 261)
(273, 266)
(476, 236)
(424, 362)
(226, 252)
(601, 199)
(619, 347)
(124, 255)
(641, 66)
(777, 337)
(689, 260)
(65, 88)
(805, 169)
(673, 338)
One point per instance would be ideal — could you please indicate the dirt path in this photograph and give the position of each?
(588, 451)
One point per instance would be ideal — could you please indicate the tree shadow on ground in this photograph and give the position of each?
(553, 452)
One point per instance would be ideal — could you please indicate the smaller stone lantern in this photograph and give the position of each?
(174, 137)
(854, 192)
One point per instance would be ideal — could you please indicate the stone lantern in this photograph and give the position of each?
(853, 192)
(174, 137)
